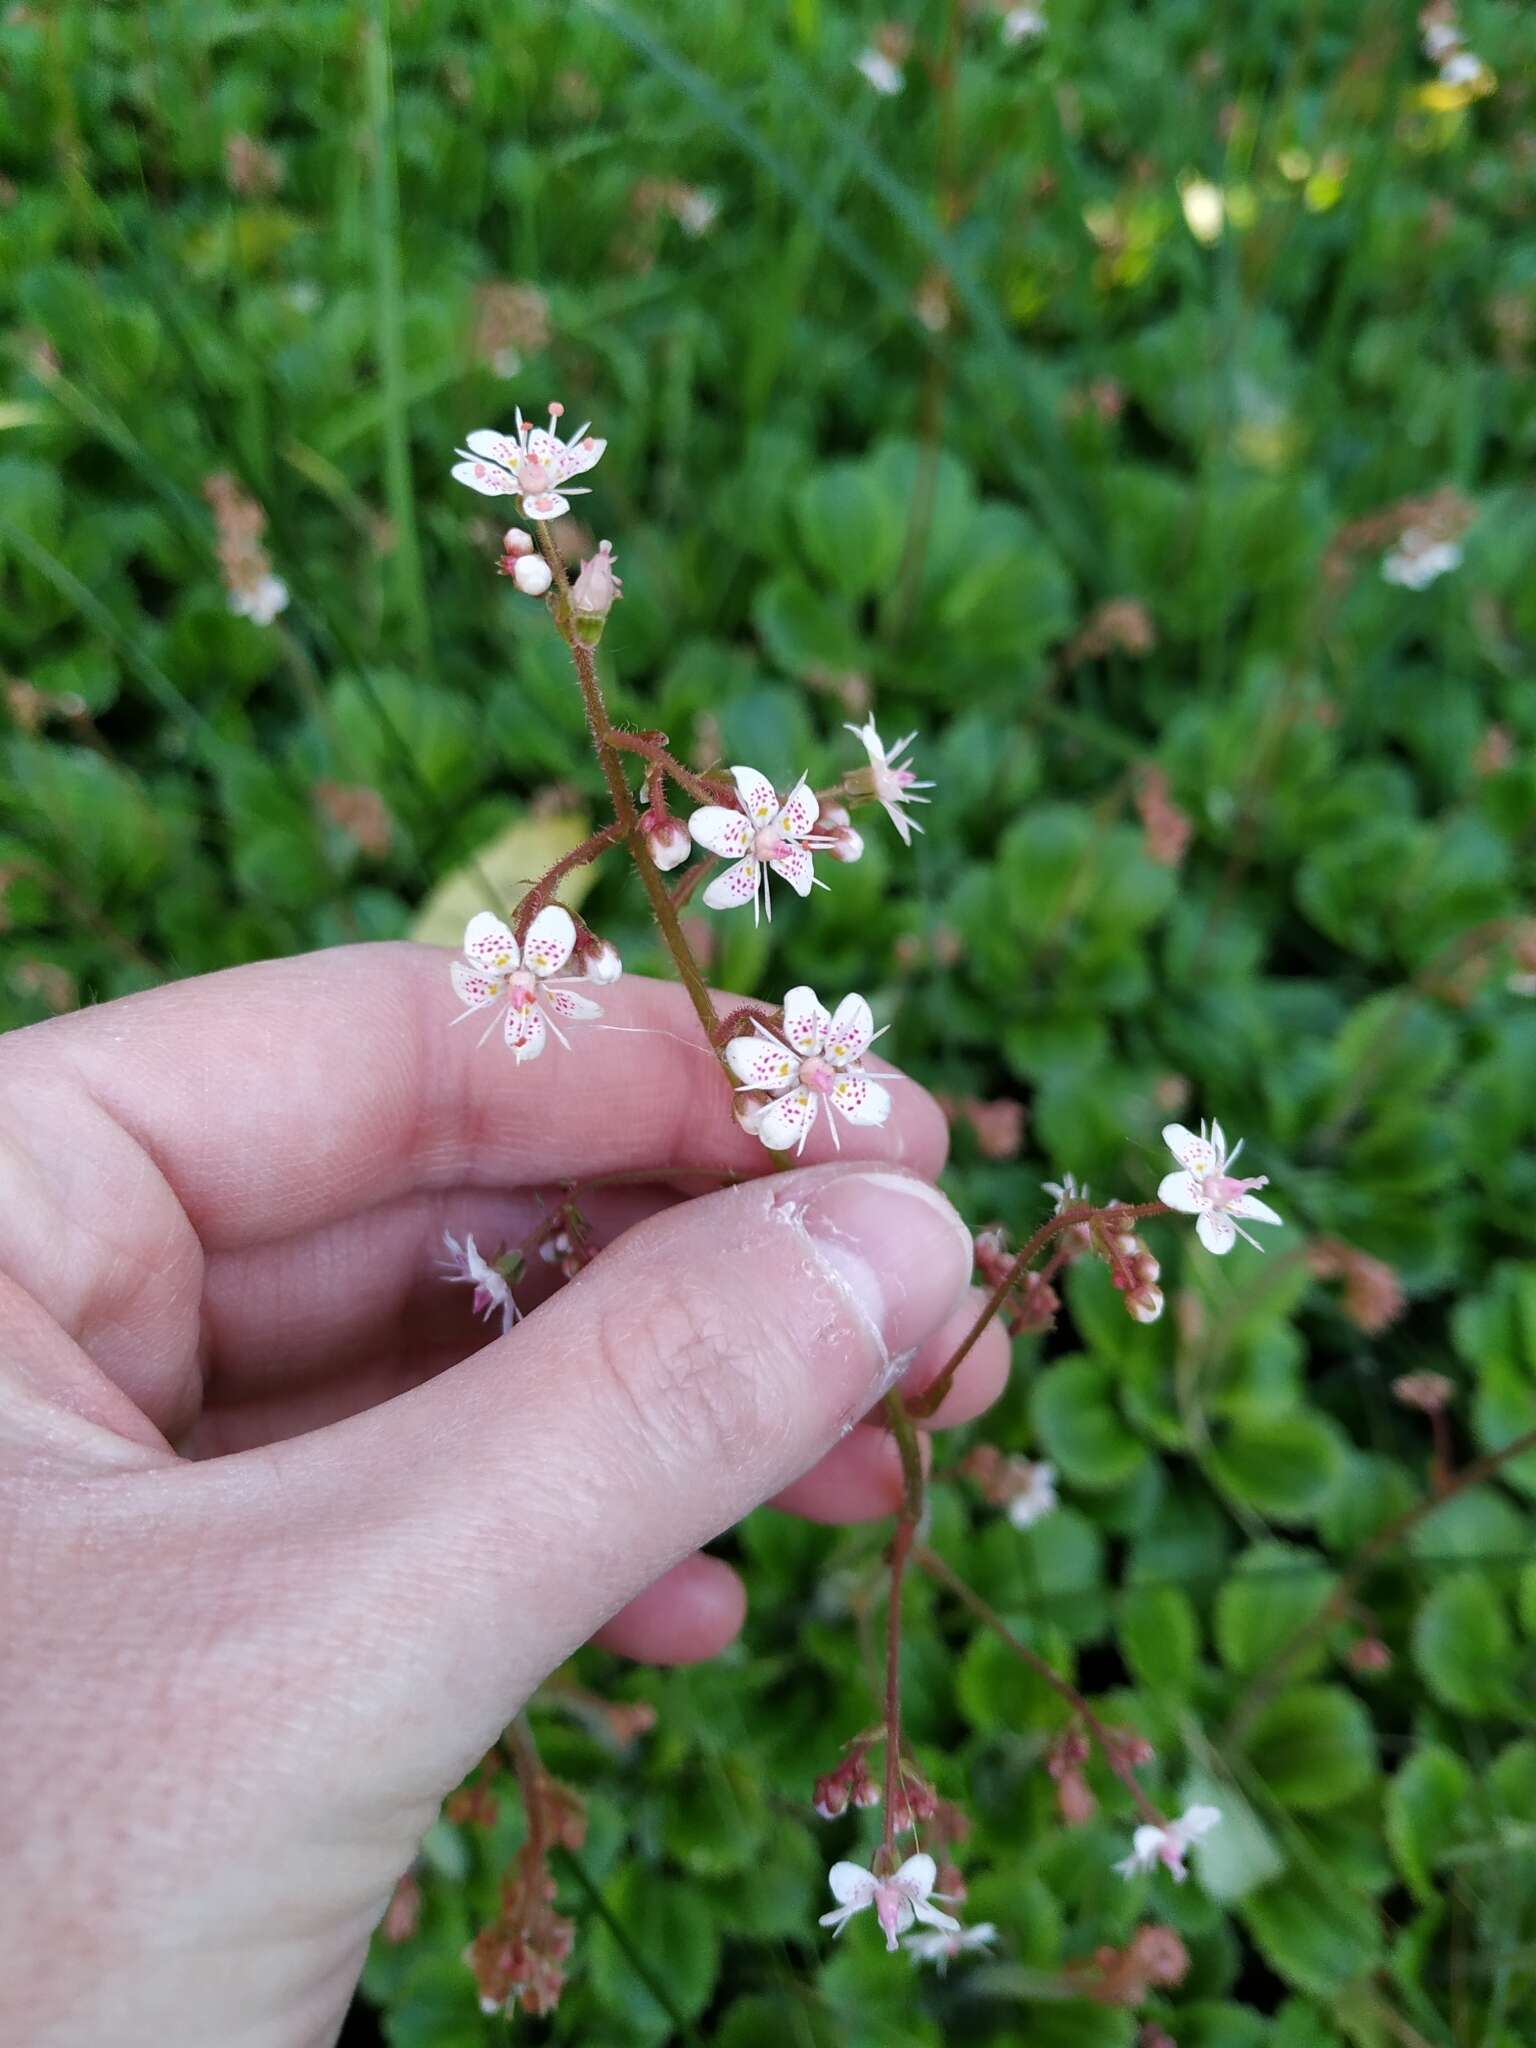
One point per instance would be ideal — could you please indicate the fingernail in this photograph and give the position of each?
(899, 1249)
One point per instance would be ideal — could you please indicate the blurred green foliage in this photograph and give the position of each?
(946, 375)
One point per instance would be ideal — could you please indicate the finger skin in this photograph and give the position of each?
(689, 1614)
(983, 1371)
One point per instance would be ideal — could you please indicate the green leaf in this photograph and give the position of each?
(1286, 1467)
(1425, 1799)
(1314, 1747)
(1074, 1412)
(1464, 1647)
(851, 528)
(1318, 1939)
(1240, 1855)
(1159, 1636)
(804, 631)
(1274, 1590)
(669, 1924)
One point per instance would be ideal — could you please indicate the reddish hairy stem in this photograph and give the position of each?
(707, 789)
(934, 1565)
(579, 857)
(900, 1425)
(1078, 1212)
(690, 881)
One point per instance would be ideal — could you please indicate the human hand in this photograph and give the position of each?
(240, 1680)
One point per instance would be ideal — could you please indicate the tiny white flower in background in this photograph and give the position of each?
(1461, 69)
(261, 601)
(1204, 1188)
(465, 1266)
(1205, 209)
(898, 1900)
(1440, 38)
(495, 967)
(1036, 1497)
(694, 211)
(890, 781)
(880, 72)
(1521, 984)
(1169, 1846)
(817, 1059)
(942, 1949)
(764, 833)
(1023, 25)
(1419, 560)
(1066, 1191)
(534, 465)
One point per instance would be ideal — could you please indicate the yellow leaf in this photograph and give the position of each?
(501, 873)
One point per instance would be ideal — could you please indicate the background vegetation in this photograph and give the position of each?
(942, 376)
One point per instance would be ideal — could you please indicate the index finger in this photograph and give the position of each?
(282, 1096)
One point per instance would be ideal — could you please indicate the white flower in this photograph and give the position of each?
(1419, 559)
(941, 1949)
(891, 783)
(533, 466)
(763, 833)
(1023, 25)
(494, 966)
(1066, 1191)
(1168, 1846)
(1036, 1497)
(464, 1265)
(532, 575)
(666, 840)
(1461, 69)
(1440, 38)
(1204, 1188)
(898, 1900)
(694, 211)
(880, 72)
(603, 964)
(818, 1058)
(260, 601)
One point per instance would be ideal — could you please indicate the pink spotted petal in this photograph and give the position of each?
(486, 478)
(917, 1876)
(851, 1885)
(526, 1033)
(797, 868)
(799, 811)
(1182, 1191)
(736, 886)
(860, 1099)
(566, 1003)
(493, 447)
(578, 457)
(489, 944)
(546, 505)
(787, 1121)
(720, 831)
(759, 798)
(1216, 1231)
(551, 938)
(1195, 1155)
(473, 989)
(761, 1063)
(805, 1021)
(851, 1029)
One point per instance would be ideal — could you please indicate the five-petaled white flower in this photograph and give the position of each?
(1168, 1846)
(942, 1949)
(1420, 560)
(817, 1060)
(535, 465)
(898, 1900)
(764, 833)
(494, 966)
(492, 1290)
(891, 780)
(1204, 1188)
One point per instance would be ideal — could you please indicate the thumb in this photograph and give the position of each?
(707, 1359)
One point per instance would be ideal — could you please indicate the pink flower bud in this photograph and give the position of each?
(667, 841)
(1144, 1304)
(532, 575)
(603, 963)
(515, 541)
(596, 588)
(844, 843)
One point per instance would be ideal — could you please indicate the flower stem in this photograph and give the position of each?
(578, 857)
(625, 815)
(934, 1565)
(927, 1404)
(901, 1427)
(706, 789)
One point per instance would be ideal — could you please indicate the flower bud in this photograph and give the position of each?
(594, 594)
(666, 841)
(1144, 1304)
(834, 824)
(603, 963)
(532, 575)
(515, 541)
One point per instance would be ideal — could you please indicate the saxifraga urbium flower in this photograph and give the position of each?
(778, 1069)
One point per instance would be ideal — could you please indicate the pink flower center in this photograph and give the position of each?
(769, 843)
(535, 478)
(522, 987)
(890, 1902)
(816, 1073)
(1223, 1189)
